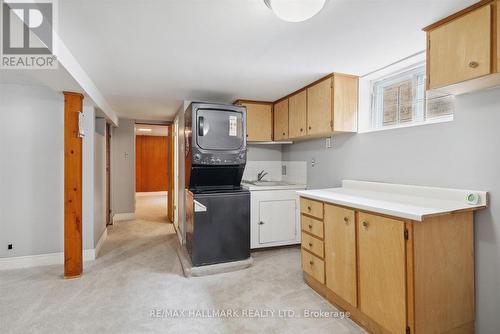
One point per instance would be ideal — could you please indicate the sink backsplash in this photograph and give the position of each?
(296, 171)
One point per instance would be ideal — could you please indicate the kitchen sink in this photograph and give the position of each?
(266, 183)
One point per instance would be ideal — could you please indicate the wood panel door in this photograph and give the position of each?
(259, 121)
(340, 252)
(382, 271)
(151, 163)
(345, 103)
(461, 49)
(319, 108)
(297, 115)
(281, 120)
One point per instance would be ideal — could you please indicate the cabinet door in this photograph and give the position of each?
(281, 120)
(319, 108)
(345, 103)
(461, 49)
(297, 115)
(382, 271)
(340, 252)
(277, 221)
(259, 121)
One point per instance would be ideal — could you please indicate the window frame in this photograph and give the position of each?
(367, 99)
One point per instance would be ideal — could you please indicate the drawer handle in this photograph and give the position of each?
(311, 262)
(310, 244)
(365, 225)
(473, 64)
(310, 226)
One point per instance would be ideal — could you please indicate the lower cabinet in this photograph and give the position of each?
(382, 271)
(274, 218)
(340, 252)
(393, 275)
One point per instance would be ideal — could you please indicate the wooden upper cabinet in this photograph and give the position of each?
(461, 49)
(332, 105)
(382, 271)
(281, 120)
(297, 115)
(319, 108)
(340, 252)
(259, 120)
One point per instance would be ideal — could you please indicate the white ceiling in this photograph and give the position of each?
(146, 57)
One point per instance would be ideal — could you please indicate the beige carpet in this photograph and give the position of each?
(151, 206)
(138, 274)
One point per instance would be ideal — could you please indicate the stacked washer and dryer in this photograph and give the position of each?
(217, 207)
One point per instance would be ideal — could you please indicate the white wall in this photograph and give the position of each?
(123, 167)
(99, 179)
(463, 154)
(32, 171)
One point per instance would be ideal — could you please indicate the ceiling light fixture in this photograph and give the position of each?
(145, 130)
(295, 10)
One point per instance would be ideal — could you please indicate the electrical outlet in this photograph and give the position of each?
(328, 142)
(9, 246)
(313, 162)
(283, 169)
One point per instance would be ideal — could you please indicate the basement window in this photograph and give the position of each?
(395, 97)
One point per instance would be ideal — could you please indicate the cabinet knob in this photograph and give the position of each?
(310, 244)
(301, 129)
(365, 224)
(311, 262)
(310, 226)
(261, 223)
(283, 133)
(308, 208)
(310, 128)
(473, 64)
(346, 219)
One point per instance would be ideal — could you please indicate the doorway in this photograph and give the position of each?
(152, 172)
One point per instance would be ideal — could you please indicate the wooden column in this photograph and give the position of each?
(73, 250)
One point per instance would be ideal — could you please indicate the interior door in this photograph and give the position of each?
(281, 120)
(108, 174)
(382, 271)
(461, 49)
(151, 163)
(319, 108)
(297, 115)
(277, 221)
(340, 252)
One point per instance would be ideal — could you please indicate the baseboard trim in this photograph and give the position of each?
(103, 238)
(29, 261)
(117, 217)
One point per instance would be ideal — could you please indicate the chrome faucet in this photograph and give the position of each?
(261, 175)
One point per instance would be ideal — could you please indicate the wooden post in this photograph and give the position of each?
(73, 250)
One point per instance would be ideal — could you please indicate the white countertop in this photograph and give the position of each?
(403, 201)
(276, 185)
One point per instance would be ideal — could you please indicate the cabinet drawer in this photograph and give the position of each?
(311, 207)
(312, 226)
(314, 266)
(312, 244)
